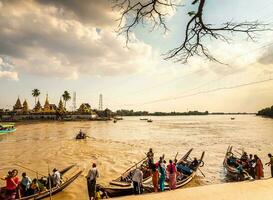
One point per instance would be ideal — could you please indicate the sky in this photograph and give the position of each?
(57, 45)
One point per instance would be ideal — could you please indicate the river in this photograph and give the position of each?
(116, 146)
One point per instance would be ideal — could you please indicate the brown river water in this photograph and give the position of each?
(116, 146)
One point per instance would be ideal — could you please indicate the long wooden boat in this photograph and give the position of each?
(53, 190)
(184, 175)
(126, 188)
(231, 167)
(7, 128)
(125, 179)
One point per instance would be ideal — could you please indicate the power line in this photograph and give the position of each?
(204, 92)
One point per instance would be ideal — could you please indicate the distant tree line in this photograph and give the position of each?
(268, 112)
(146, 113)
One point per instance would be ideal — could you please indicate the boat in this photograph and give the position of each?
(125, 179)
(115, 121)
(186, 172)
(232, 118)
(48, 192)
(231, 167)
(81, 136)
(123, 184)
(149, 120)
(144, 119)
(118, 118)
(7, 128)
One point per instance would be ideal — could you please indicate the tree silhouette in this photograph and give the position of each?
(35, 94)
(135, 12)
(66, 97)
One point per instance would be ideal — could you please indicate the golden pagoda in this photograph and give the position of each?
(18, 106)
(25, 106)
(38, 107)
(49, 108)
(84, 108)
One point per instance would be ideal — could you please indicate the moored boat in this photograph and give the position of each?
(186, 171)
(123, 184)
(144, 119)
(7, 128)
(149, 120)
(231, 165)
(48, 192)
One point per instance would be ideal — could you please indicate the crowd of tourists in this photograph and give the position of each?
(251, 164)
(16, 188)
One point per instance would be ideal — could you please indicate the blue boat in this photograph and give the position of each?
(7, 128)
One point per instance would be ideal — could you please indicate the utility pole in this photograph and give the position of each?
(100, 102)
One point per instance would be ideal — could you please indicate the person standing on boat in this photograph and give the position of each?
(155, 177)
(270, 163)
(162, 178)
(137, 180)
(56, 178)
(91, 177)
(171, 168)
(25, 183)
(259, 169)
(150, 156)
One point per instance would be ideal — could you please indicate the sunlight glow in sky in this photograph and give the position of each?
(57, 45)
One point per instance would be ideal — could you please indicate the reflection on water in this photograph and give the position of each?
(116, 146)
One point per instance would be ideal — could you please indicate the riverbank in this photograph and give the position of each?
(248, 190)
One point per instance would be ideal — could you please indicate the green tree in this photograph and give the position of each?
(66, 97)
(35, 94)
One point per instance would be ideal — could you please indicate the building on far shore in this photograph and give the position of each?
(51, 112)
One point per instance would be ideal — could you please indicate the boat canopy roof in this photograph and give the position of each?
(7, 125)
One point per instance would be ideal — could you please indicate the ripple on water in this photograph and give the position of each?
(115, 147)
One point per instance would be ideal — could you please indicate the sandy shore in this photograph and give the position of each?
(253, 190)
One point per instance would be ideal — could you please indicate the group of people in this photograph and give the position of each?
(16, 188)
(252, 164)
(161, 172)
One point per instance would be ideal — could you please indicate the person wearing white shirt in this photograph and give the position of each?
(137, 181)
(92, 176)
(56, 178)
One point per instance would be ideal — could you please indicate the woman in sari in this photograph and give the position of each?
(162, 178)
(155, 177)
(259, 169)
(172, 175)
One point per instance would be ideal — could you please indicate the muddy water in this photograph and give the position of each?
(115, 146)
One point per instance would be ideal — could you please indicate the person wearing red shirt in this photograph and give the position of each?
(171, 168)
(12, 182)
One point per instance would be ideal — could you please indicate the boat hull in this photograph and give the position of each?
(2, 132)
(54, 190)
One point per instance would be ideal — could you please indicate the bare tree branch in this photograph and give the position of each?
(134, 12)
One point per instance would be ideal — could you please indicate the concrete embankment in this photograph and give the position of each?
(253, 190)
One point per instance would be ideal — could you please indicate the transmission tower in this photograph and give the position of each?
(74, 102)
(100, 102)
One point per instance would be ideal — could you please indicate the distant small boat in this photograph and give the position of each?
(81, 136)
(145, 119)
(115, 121)
(7, 128)
(232, 118)
(118, 118)
(149, 120)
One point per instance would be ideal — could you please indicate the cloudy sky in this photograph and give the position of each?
(57, 45)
